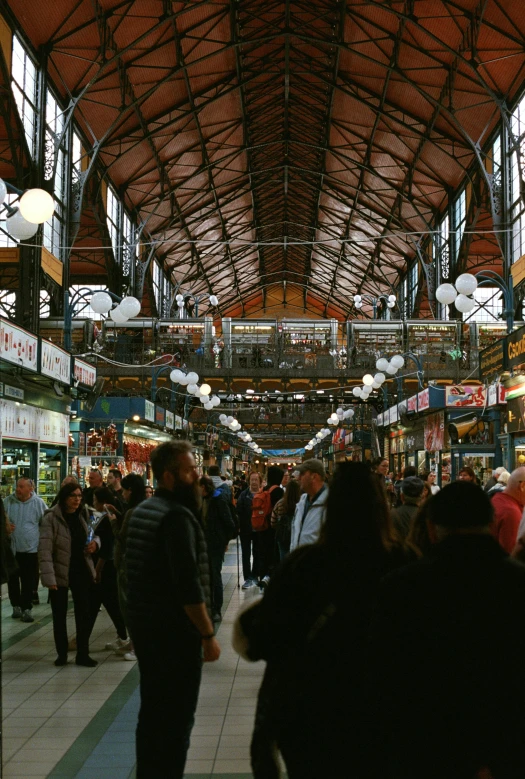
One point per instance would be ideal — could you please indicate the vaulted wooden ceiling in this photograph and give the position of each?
(307, 143)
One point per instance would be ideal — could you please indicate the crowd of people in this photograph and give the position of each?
(387, 605)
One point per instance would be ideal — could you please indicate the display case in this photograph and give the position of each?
(18, 460)
(51, 466)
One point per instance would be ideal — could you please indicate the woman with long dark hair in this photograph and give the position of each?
(219, 528)
(282, 517)
(64, 553)
(311, 628)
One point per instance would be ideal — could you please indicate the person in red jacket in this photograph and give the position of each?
(508, 509)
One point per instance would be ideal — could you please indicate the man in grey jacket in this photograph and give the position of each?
(310, 512)
(25, 511)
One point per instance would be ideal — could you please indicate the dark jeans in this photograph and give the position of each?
(170, 676)
(106, 594)
(246, 547)
(59, 598)
(217, 594)
(263, 549)
(21, 584)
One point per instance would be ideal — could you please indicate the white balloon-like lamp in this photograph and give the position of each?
(37, 206)
(19, 228)
(466, 284)
(130, 306)
(382, 364)
(101, 302)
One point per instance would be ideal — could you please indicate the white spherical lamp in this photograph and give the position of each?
(192, 388)
(466, 284)
(334, 418)
(37, 206)
(214, 300)
(216, 400)
(464, 304)
(392, 299)
(176, 376)
(357, 298)
(390, 304)
(358, 304)
(179, 298)
(3, 191)
(229, 420)
(117, 316)
(101, 302)
(208, 406)
(376, 386)
(223, 418)
(380, 378)
(193, 377)
(368, 379)
(184, 380)
(397, 361)
(356, 392)
(446, 294)
(130, 306)
(19, 228)
(205, 389)
(382, 364)
(392, 370)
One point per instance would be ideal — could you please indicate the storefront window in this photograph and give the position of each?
(49, 472)
(17, 461)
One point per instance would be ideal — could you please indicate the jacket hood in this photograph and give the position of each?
(34, 497)
(320, 501)
(217, 481)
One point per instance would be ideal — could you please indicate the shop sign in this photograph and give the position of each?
(496, 394)
(492, 360)
(55, 362)
(516, 348)
(159, 415)
(415, 439)
(516, 414)
(464, 396)
(435, 432)
(84, 373)
(412, 403)
(13, 392)
(423, 399)
(149, 413)
(394, 416)
(18, 346)
(178, 422)
(29, 423)
(379, 420)
(170, 420)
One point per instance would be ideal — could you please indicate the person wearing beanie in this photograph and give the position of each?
(410, 494)
(446, 620)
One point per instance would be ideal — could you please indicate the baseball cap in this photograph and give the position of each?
(412, 487)
(313, 465)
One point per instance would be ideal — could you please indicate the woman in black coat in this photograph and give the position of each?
(311, 628)
(219, 528)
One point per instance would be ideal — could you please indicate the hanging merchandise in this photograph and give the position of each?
(137, 450)
(102, 441)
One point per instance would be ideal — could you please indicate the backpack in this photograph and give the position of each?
(262, 510)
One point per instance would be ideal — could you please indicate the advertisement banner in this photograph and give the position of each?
(28, 423)
(515, 348)
(435, 432)
(463, 396)
(412, 403)
(84, 373)
(394, 415)
(55, 362)
(379, 420)
(149, 413)
(170, 420)
(18, 346)
(496, 394)
(159, 415)
(423, 399)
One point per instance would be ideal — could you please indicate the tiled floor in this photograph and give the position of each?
(80, 722)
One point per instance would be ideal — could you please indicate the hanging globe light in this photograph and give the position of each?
(117, 316)
(37, 206)
(193, 377)
(19, 228)
(3, 191)
(176, 376)
(466, 284)
(368, 379)
(184, 381)
(214, 300)
(446, 294)
(382, 364)
(464, 304)
(101, 302)
(380, 378)
(356, 392)
(392, 370)
(208, 406)
(130, 306)
(192, 388)
(397, 361)
(205, 389)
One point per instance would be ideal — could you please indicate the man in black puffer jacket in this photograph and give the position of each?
(168, 611)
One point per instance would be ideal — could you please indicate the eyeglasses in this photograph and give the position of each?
(76, 496)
